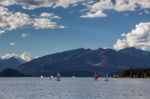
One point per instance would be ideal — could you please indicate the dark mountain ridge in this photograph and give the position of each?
(9, 63)
(88, 61)
(11, 73)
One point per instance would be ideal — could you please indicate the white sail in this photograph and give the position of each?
(106, 78)
(41, 76)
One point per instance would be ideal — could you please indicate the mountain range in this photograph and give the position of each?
(9, 63)
(13, 60)
(84, 62)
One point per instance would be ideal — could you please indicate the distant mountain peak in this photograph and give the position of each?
(131, 49)
(87, 60)
(13, 60)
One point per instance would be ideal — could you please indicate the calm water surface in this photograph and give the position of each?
(78, 88)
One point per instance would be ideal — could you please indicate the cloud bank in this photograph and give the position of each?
(14, 20)
(34, 4)
(10, 20)
(25, 56)
(100, 8)
(138, 37)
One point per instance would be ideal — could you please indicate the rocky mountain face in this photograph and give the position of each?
(86, 61)
(12, 60)
(9, 63)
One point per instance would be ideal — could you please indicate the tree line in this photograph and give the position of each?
(134, 73)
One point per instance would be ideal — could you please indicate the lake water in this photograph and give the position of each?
(78, 88)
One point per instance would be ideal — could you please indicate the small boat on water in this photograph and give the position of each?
(96, 76)
(58, 77)
(51, 77)
(106, 78)
(73, 77)
(41, 77)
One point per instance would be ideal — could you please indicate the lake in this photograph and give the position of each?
(78, 88)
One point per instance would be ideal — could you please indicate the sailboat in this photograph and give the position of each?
(41, 76)
(58, 77)
(73, 77)
(96, 76)
(51, 77)
(106, 79)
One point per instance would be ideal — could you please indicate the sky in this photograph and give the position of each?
(40, 27)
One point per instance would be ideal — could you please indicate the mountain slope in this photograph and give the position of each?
(11, 73)
(9, 63)
(13, 60)
(87, 60)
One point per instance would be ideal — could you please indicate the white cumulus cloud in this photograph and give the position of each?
(49, 15)
(12, 43)
(34, 4)
(95, 8)
(7, 2)
(8, 55)
(99, 9)
(67, 3)
(25, 56)
(14, 20)
(24, 35)
(42, 23)
(138, 37)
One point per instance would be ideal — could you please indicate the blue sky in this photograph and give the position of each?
(76, 24)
